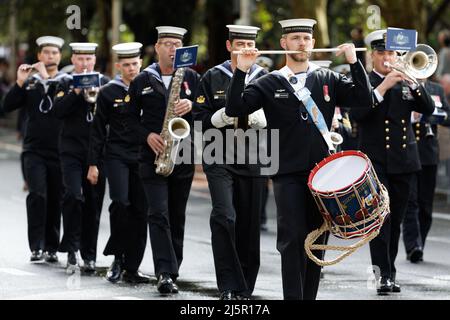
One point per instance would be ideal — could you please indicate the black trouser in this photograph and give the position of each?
(127, 213)
(384, 248)
(265, 196)
(235, 228)
(43, 201)
(167, 199)
(297, 217)
(82, 207)
(418, 218)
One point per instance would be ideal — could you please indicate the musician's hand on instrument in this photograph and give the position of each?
(40, 67)
(390, 81)
(247, 58)
(349, 50)
(92, 175)
(156, 143)
(23, 72)
(219, 119)
(182, 107)
(77, 90)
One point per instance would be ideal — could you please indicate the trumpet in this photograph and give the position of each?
(418, 64)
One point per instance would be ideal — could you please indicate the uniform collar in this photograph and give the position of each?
(119, 82)
(225, 67)
(155, 71)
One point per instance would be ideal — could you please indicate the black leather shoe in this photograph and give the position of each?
(89, 266)
(135, 277)
(115, 271)
(396, 287)
(36, 255)
(174, 288)
(415, 255)
(241, 297)
(385, 286)
(51, 257)
(227, 295)
(72, 263)
(165, 283)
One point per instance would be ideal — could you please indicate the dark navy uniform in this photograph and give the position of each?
(128, 208)
(166, 196)
(301, 146)
(387, 137)
(82, 202)
(40, 156)
(237, 192)
(418, 218)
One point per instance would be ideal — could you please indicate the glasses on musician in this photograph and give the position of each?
(170, 44)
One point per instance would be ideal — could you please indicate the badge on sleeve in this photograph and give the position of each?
(127, 98)
(201, 99)
(60, 94)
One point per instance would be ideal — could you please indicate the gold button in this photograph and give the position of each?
(388, 146)
(404, 129)
(417, 131)
(387, 122)
(404, 137)
(403, 121)
(418, 125)
(404, 146)
(388, 138)
(418, 138)
(387, 129)
(419, 94)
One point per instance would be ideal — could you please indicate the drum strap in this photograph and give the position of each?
(304, 95)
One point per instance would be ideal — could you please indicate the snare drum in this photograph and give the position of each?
(349, 195)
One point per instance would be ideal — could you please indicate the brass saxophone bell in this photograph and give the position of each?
(91, 94)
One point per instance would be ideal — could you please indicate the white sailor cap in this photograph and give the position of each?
(50, 41)
(322, 63)
(264, 62)
(376, 40)
(298, 25)
(171, 32)
(127, 50)
(242, 32)
(83, 47)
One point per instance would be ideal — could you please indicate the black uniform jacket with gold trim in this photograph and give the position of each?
(108, 128)
(301, 145)
(385, 131)
(148, 98)
(42, 127)
(74, 110)
(429, 144)
(211, 96)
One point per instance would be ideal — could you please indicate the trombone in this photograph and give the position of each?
(418, 64)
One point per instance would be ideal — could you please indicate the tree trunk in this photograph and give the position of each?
(314, 10)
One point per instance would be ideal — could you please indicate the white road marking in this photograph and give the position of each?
(16, 272)
(442, 216)
(439, 239)
(127, 298)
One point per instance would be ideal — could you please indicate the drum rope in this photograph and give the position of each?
(314, 235)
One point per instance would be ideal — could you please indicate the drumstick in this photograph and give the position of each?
(294, 52)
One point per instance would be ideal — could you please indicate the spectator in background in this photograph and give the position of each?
(444, 54)
(445, 83)
(358, 40)
(4, 81)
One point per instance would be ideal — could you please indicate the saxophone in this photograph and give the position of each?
(174, 129)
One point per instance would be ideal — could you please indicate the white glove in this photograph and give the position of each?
(257, 120)
(219, 119)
